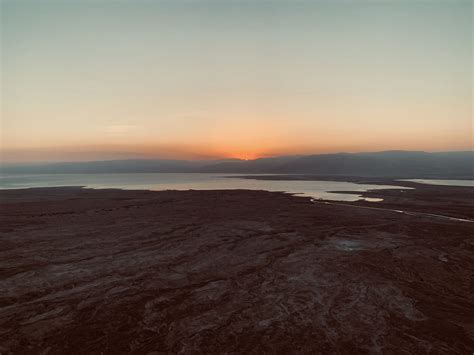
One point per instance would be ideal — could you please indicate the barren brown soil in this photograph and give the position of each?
(111, 271)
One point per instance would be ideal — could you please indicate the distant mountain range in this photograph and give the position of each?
(399, 164)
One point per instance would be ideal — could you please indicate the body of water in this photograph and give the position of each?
(157, 181)
(466, 183)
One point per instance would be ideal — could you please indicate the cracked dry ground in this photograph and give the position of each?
(110, 271)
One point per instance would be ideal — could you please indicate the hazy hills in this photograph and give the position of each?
(387, 163)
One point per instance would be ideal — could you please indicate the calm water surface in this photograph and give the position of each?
(467, 183)
(157, 181)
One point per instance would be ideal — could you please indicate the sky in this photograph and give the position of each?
(103, 79)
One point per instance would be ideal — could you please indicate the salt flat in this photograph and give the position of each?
(114, 271)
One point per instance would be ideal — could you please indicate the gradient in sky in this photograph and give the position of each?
(109, 79)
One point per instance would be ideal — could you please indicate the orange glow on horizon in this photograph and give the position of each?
(243, 156)
(167, 81)
(259, 145)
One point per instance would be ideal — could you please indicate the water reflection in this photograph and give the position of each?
(160, 181)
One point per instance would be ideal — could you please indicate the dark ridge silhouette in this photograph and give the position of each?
(389, 163)
(402, 164)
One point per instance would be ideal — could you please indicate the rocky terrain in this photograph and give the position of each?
(87, 271)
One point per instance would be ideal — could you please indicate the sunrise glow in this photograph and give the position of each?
(198, 80)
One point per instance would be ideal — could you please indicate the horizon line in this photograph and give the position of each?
(213, 159)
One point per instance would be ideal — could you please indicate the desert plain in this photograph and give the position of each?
(109, 271)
